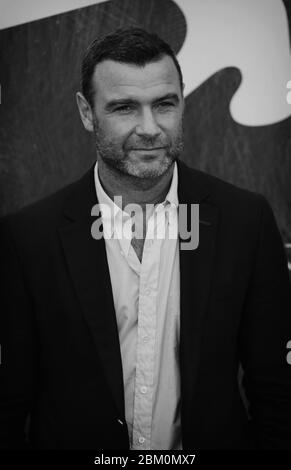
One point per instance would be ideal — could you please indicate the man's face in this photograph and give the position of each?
(138, 116)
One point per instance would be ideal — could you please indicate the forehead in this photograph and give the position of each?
(114, 79)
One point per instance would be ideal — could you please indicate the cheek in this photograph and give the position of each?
(171, 123)
(117, 130)
(173, 132)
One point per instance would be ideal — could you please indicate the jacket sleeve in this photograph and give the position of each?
(18, 346)
(265, 332)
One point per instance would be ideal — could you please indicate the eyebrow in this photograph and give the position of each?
(126, 101)
(168, 96)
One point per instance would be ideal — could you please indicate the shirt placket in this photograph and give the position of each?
(146, 338)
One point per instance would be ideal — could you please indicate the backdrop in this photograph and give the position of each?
(235, 57)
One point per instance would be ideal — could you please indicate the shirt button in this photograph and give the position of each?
(143, 389)
(141, 440)
(147, 292)
(145, 338)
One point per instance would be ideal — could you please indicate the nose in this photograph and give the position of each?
(147, 125)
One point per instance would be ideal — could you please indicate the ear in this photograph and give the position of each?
(85, 111)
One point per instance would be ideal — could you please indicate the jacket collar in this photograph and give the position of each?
(83, 197)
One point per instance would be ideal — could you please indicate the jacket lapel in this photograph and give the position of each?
(87, 263)
(195, 277)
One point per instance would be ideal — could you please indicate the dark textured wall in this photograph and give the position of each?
(43, 145)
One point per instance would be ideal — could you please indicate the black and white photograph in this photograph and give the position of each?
(145, 227)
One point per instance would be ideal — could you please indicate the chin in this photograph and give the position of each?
(150, 169)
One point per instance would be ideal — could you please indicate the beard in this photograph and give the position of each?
(118, 155)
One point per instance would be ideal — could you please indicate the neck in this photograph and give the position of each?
(132, 189)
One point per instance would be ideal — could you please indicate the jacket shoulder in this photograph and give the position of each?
(220, 192)
(46, 211)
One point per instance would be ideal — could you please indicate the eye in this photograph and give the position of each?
(124, 109)
(165, 104)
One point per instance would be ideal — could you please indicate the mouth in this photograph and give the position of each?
(147, 149)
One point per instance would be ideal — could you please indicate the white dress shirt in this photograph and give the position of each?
(147, 304)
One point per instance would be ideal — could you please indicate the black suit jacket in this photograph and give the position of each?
(60, 352)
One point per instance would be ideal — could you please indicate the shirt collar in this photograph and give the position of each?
(114, 216)
(172, 196)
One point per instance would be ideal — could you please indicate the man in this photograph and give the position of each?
(134, 341)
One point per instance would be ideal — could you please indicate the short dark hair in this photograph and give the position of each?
(130, 46)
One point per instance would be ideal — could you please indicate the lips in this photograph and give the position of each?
(148, 149)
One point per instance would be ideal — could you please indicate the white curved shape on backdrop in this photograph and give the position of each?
(15, 12)
(252, 35)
